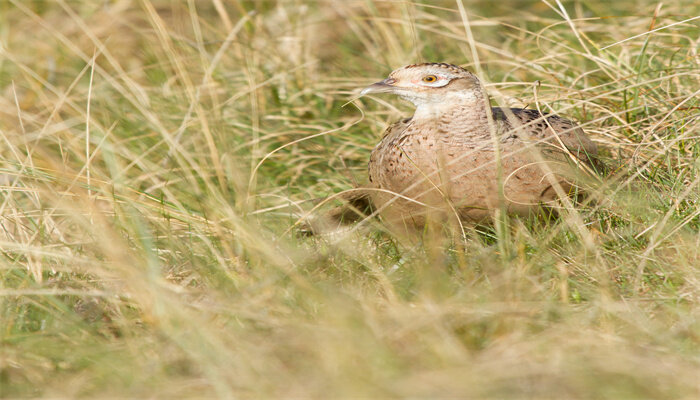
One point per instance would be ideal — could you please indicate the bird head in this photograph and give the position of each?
(430, 84)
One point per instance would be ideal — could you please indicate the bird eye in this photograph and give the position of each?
(429, 78)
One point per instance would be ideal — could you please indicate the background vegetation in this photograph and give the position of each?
(155, 156)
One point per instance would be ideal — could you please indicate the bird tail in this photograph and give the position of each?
(357, 205)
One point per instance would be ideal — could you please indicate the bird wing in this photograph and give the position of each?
(572, 137)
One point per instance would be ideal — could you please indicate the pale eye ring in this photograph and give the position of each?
(430, 79)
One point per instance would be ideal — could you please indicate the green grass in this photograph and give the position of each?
(147, 204)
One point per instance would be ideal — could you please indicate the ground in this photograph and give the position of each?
(157, 155)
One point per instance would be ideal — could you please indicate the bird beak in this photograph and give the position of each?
(385, 86)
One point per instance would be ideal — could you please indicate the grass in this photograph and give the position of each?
(156, 154)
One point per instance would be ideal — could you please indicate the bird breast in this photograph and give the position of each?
(409, 159)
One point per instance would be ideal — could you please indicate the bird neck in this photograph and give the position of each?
(456, 113)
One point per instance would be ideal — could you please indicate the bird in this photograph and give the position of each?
(457, 155)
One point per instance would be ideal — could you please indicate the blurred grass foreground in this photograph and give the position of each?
(156, 155)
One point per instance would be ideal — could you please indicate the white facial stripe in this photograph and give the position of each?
(440, 82)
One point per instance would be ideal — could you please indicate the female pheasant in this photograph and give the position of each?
(448, 157)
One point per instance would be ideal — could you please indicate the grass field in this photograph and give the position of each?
(156, 156)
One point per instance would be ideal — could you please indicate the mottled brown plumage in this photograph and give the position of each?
(443, 159)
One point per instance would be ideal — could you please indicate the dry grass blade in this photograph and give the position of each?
(156, 157)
